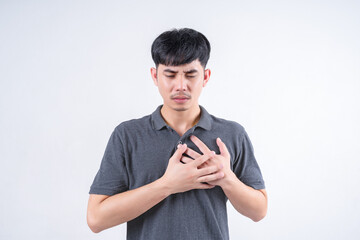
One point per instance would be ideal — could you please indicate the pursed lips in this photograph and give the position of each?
(181, 97)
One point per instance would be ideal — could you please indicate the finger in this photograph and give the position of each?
(197, 162)
(186, 159)
(211, 177)
(204, 186)
(223, 149)
(202, 165)
(192, 153)
(206, 164)
(208, 170)
(214, 185)
(179, 152)
(203, 148)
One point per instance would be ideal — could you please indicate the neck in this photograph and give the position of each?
(181, 121)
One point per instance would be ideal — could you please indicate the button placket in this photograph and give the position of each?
(186, 136)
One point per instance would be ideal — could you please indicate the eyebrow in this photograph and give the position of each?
(186, 72)
(170, 71)
(191, 71)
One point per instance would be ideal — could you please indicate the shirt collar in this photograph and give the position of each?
(159, 123)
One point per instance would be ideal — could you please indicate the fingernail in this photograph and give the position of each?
(220, 139)
(221, 174)
(179, 145)
(213, 153)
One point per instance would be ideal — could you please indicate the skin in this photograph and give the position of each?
(173, 82)
(246, 200)
(180, 88)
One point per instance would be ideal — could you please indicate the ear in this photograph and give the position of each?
(154, 75)
(207, 74)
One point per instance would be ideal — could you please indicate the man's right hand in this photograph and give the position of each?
(108, 211)
(181, 177)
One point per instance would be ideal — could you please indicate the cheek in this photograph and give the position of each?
(200, 84)
(197, 86)
(164, 88)
(164, 84)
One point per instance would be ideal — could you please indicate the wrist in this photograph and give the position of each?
(228, 179)
(164, 186)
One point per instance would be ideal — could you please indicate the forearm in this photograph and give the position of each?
(246, 200)
(126, 206)
(105, 212)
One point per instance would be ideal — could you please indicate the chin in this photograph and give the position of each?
(180, 109)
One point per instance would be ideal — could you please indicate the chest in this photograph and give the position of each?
(148, 157)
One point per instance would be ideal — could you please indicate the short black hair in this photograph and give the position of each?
(180, 46)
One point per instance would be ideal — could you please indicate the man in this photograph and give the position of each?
(169, 174)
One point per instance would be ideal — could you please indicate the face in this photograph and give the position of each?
(180, 86)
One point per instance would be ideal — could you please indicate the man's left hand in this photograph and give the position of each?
(222, 159)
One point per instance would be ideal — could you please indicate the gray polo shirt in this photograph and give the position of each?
(138, 153)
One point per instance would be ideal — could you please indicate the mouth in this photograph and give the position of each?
(180, 99)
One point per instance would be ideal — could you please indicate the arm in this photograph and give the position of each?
(108, 211)
(246, 200)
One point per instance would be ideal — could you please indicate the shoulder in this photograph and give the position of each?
(133, 125)
(228, 126)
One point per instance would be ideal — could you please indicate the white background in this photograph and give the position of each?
(288, 71)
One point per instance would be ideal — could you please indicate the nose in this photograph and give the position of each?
(181, 84)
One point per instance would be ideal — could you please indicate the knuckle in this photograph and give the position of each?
(204, 179)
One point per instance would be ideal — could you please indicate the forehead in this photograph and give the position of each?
(194, 65)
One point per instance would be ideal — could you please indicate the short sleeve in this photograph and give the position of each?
(245, 166)
(112, 177)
